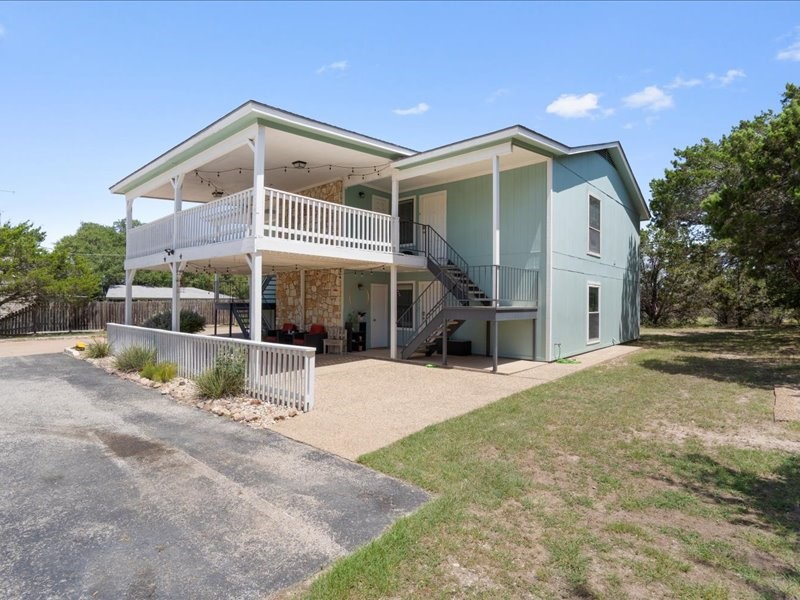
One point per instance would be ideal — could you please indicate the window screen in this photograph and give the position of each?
(594, 225)
(594, 313)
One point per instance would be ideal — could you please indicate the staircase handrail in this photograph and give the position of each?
(435, 307)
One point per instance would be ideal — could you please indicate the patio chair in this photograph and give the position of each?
(336, 339)
(282, 335)
(313, 338)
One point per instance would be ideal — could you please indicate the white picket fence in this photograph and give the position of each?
(275, 373)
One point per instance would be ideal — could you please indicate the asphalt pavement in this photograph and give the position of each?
(111, 490)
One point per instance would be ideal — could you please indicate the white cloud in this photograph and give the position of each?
(791, 52)
(650, 98)
(420, 108)
(497, 94)
(730, 76)
(339, 65)
(572, 106)
(629, 125)
(680, 82)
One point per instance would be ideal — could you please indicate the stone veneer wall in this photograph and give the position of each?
(323, 287)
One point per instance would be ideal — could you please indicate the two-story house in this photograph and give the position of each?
(512, 241)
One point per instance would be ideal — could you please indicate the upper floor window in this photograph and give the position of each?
(594, 226)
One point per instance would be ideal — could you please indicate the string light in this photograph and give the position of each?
(355, 170)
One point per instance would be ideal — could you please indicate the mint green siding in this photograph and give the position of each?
(523, 230)
(615, 270)
(523, 198)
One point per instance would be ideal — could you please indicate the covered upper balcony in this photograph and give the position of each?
(262, 181)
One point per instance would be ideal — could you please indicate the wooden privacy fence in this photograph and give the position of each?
(275, 373)
(53, 317)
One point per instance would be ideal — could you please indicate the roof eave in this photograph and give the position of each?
(255, 111)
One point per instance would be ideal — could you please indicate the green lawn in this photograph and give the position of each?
(658, 475)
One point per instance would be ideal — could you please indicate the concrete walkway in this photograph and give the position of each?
(363, 404)
(29, 346)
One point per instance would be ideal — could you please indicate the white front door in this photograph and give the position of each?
(433, 211)
(379, 315)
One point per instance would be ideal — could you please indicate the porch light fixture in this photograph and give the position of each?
(299, 164)
(217, 194)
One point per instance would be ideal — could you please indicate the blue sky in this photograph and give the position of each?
(90, 92)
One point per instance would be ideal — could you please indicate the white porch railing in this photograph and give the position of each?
(223, 220)
(150, 238)
(286, 217)
(299, 218)
(275, 373)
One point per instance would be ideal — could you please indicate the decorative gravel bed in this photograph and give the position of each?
(243, 409)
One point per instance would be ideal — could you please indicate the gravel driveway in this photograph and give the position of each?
(109, 490)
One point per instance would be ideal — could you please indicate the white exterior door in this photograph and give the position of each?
(379, 315)
(433, 211)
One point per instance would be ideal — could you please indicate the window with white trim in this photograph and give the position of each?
(593, 333)
(594, 225)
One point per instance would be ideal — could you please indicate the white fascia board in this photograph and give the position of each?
(217, 126)
(459, 160)
(195, 162)
(293, 120)
(254, 110)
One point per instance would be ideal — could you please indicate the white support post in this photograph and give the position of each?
(548, 280)
(393, 312)
(177, 186)
(303, 323)
(395, 214)
(255, 261)
(128, 214)
(259, 157)
(175, 267)
(495, 225)
(129, 275)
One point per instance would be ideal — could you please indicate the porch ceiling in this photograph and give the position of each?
(274, 262)
(519, 157)
(233, 172)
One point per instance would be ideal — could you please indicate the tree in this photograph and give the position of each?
(22, 263)
(69, 278)
(102, 247)
(759, 211)
(671, 286)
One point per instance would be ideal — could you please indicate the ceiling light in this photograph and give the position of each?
(299, 164)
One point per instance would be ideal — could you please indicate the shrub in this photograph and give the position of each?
(191, 322)
(135, 358)
(226, 377)
(160, 372)
(98, 349)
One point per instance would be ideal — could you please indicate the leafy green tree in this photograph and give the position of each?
(671, 283)
(103, 249)
(69, 278)
(23, 272)
(759, 211)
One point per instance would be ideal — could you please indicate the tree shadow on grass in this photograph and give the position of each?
(770, 502)
(752, 372)
(769, 341)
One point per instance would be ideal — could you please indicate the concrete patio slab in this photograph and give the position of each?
(364, 403)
